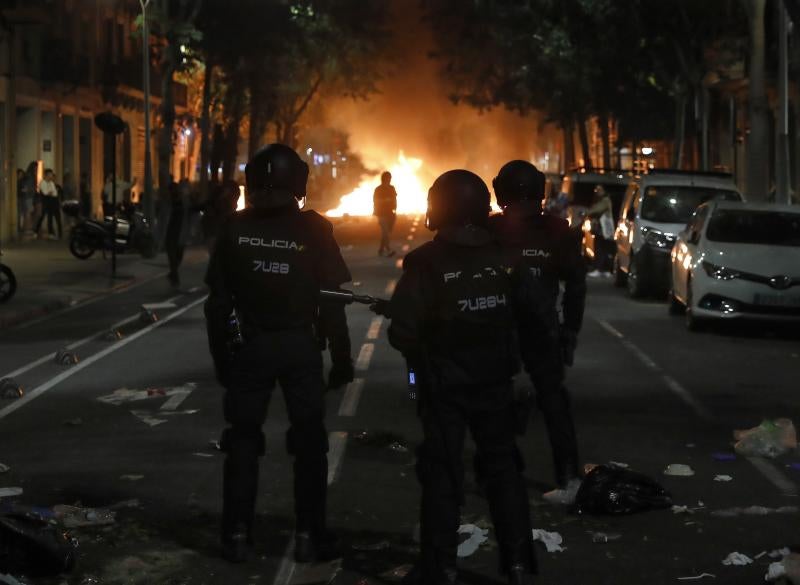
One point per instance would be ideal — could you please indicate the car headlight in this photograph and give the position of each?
(720, 272)
(658, 239)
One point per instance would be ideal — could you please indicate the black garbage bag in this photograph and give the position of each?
(614, 490)
(33, 545)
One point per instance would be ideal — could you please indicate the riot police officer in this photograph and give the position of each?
(549, 249)
(453, 319)
(267, 268)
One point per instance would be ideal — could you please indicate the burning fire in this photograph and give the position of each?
(241, 202)
(412, 195)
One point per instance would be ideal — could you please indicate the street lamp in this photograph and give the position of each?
(149, 208)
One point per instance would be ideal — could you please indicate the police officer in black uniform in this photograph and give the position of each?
(549, 249)
(267, 268)
(454, 318)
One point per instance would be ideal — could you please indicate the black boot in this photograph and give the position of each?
(519, 575)
(236, 545)
(316, 548)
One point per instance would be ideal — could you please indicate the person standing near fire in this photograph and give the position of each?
(385, 209)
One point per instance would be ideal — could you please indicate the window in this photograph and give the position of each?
(667, 204)
(770, 228)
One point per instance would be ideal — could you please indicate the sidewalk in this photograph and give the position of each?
(49, 278)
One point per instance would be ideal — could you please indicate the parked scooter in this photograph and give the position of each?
(8, 283)
(133, 234)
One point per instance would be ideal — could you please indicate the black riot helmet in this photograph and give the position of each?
(276, 168)
(457, 198)
(518, 180)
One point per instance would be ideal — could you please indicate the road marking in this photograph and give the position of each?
(364, 357)
(288, 566)
(337, 441)
(390, 286)
(775, 475)
(375, 327)
(674, 386)
(42, 388)
(351, 397)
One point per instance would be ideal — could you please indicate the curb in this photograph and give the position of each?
(23, 315)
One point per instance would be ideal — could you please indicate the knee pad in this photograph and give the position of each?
(242, 440)
(307, 441)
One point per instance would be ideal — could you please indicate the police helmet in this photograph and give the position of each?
(457, 198)
(277, 167)
(518, 180)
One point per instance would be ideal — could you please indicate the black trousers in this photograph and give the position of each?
(554, 402)
(51, 210)
(498, 465)
(386, 223)
(174, 256)
(293, 359)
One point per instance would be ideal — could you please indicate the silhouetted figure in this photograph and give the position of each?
(50, 196)
(384, 208)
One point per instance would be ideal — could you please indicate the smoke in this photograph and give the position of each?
(413, 113)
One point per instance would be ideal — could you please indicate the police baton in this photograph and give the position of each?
(348, 297)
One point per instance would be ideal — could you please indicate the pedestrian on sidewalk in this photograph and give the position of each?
(454, 313)
(50, 205)
(384, 207)
(267, 269)
(85, 196)
(546, 245)
(176, 234)
(26, 189)
(602, 215)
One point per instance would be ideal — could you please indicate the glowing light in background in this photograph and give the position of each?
(412, 193)
(240, 203)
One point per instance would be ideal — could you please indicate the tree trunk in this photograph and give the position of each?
(217, 152)
(569, 145)
(205, 129)
(257, 125)
(757, 182)
(680, 131)
(165, 145)
(232, 138)
(584, 137)
(606, 137)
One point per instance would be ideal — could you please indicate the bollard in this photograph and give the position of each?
(147, 316)
(10, 390)
(113, 335)
(66, 358)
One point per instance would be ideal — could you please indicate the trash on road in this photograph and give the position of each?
(603, 537)
(9, 580)
(723, 478)
(477, 536)
(76, 517)
(618, 464)
(131, 477)
(565, 497)
(65, 357)
(201, 454)
(723, 457)
(396, 574)
(769, 439)
(753, 511)
(698, 577)
(214, 444)
(552, 540)
(788, 567)
(34, 545)
(779, 553)
(10, 492)
(737, 559)
(4, 468)
(370, 546)
(10, 390)
(679, 469)
(399, 447)
(611, 490)
(381, 439)
(73, 422)
(681, 510)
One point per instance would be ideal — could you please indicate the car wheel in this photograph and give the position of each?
(80, 249)
(8, 284)
(635, 280)
(693, 323)
(675, 306)
(619, 275)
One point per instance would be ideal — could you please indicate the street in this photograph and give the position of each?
(133, 424)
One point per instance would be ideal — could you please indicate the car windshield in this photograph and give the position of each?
(583, 195)
(666, 204)
(771, 228)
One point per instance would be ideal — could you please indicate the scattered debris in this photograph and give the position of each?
(789, 567)
(565, 497)
(619, 464)
(10, 580)
(132, 503)
(779, 553)
(769, 439)
(681, 510)
(73, 422)
(9, 389)
(775, 571)
(697, 577)
(723, 478)
(214, 445)
(10, 492)
(551, 540)
(74, 516)
(131, 477)
(156, 392)
(34, 544)
(370, 546)
(381, 439)
(399, 447)
(4, 468)
(723, 457)
(603, 537)
(679, 469)
(754, 511)
(611, 490)
(737, 559)
(396, 574)
(65, 357)
(201, 454)
(477, 536)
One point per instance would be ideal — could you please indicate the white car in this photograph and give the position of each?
(738, 260)
(656, 207)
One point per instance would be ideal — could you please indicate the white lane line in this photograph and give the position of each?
(351, 397)
(364, 357)
(76, 344)
(775, 475)
(375, 327)
(337, 441)
(41, 389)
(390, 286)
(179, 394)
(674, 386)
(288, 566)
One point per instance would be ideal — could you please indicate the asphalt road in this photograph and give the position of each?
(646, 393)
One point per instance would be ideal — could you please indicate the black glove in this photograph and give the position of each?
(568, 341)
(381, 307)
(341, 373)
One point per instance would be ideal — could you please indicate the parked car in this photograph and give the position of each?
(656, 207)
(579, 186)
(738, 260)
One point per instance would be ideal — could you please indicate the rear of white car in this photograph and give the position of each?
(739, 261)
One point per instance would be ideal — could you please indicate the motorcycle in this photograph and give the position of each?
(133, 233)
(8, 282)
